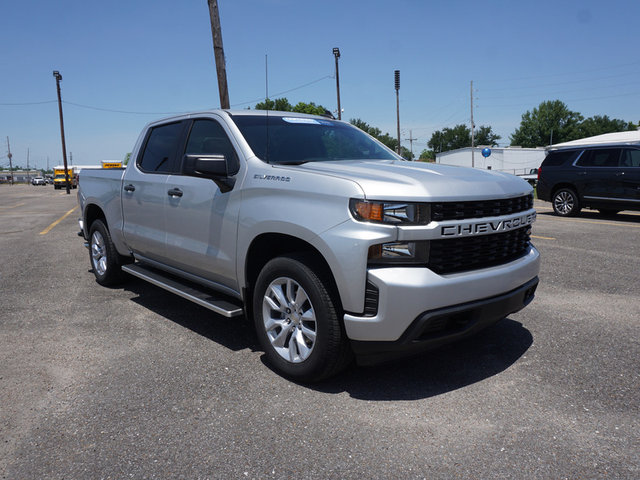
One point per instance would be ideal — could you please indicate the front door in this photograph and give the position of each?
(200, 220)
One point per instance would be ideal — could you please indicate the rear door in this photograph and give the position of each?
(599, 174)
(630, 175)
(145, 192)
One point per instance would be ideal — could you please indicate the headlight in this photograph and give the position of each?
(391, 213)
(399, 253)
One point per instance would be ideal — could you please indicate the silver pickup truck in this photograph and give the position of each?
(331, 244)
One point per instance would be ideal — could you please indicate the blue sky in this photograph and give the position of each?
(125, 63)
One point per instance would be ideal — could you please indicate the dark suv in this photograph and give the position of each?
(604, 177)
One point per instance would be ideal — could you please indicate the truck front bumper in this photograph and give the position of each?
(419, 310)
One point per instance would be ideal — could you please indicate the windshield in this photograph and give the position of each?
(293, 140)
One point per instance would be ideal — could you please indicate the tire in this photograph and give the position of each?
(297, 320)
(565, 203)
(105, 259)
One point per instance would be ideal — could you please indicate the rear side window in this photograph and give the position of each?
(555, 159)
(602, 157)
(630, 158)
(159, 154)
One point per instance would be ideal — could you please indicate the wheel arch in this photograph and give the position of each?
(560, 186)
(271, 245)
(93, 212)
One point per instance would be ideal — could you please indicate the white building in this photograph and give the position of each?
(520, 160)
(515, 160)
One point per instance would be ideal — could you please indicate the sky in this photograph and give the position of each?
(127, 63)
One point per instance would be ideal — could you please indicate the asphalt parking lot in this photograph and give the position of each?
(133, 382)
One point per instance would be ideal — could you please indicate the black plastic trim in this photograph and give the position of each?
(435, 328)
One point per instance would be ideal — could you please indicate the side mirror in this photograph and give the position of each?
(213, 167)
(208, 166)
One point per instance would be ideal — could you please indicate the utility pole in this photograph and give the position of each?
(336, 53)
(411, 139)
(218, 51)
(28, 176)
(397, 84)
(472, 129)
(58, 77)
(10, 157)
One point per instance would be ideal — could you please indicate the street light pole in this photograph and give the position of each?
(10, 155)
(58, 77)
(397, 82)
(336, 53)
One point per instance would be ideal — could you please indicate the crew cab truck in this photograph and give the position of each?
(329, 242)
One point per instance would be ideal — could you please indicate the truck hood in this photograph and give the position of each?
(409, 181)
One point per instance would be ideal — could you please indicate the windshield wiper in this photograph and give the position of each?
(291, 162)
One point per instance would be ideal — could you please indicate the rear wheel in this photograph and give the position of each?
(105, 259)
(297, 320)
(565, 203)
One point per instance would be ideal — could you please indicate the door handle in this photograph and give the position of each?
(175, 192)
(129, 188)
(619, 174)
(582, 173)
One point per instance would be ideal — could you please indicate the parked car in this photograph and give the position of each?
(38, 181)
(603, 177)
(531, 177)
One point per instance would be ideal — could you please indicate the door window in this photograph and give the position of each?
(602, 157)
(207, 137)
(630, 158)
(159, 155)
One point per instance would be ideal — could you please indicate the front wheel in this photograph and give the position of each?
(565, 203)
(105, 259)
(297, 320)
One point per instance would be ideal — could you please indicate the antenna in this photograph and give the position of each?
(266, 78)
(266, 102)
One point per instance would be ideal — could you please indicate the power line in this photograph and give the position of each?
(557, 92)
(130, 112)
(522, 105)
(28, 103)
(570, 82)
(90, 107)
(285, 91)
(599, 69)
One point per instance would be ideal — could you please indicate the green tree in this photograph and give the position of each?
(310, 108)
(450, 138)
(283, 105)
(427, 155)
(279, 104)
(550, 122)
(365, 127)
(485, 136)
(600, 124)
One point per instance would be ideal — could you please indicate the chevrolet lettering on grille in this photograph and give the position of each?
(483, 228)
